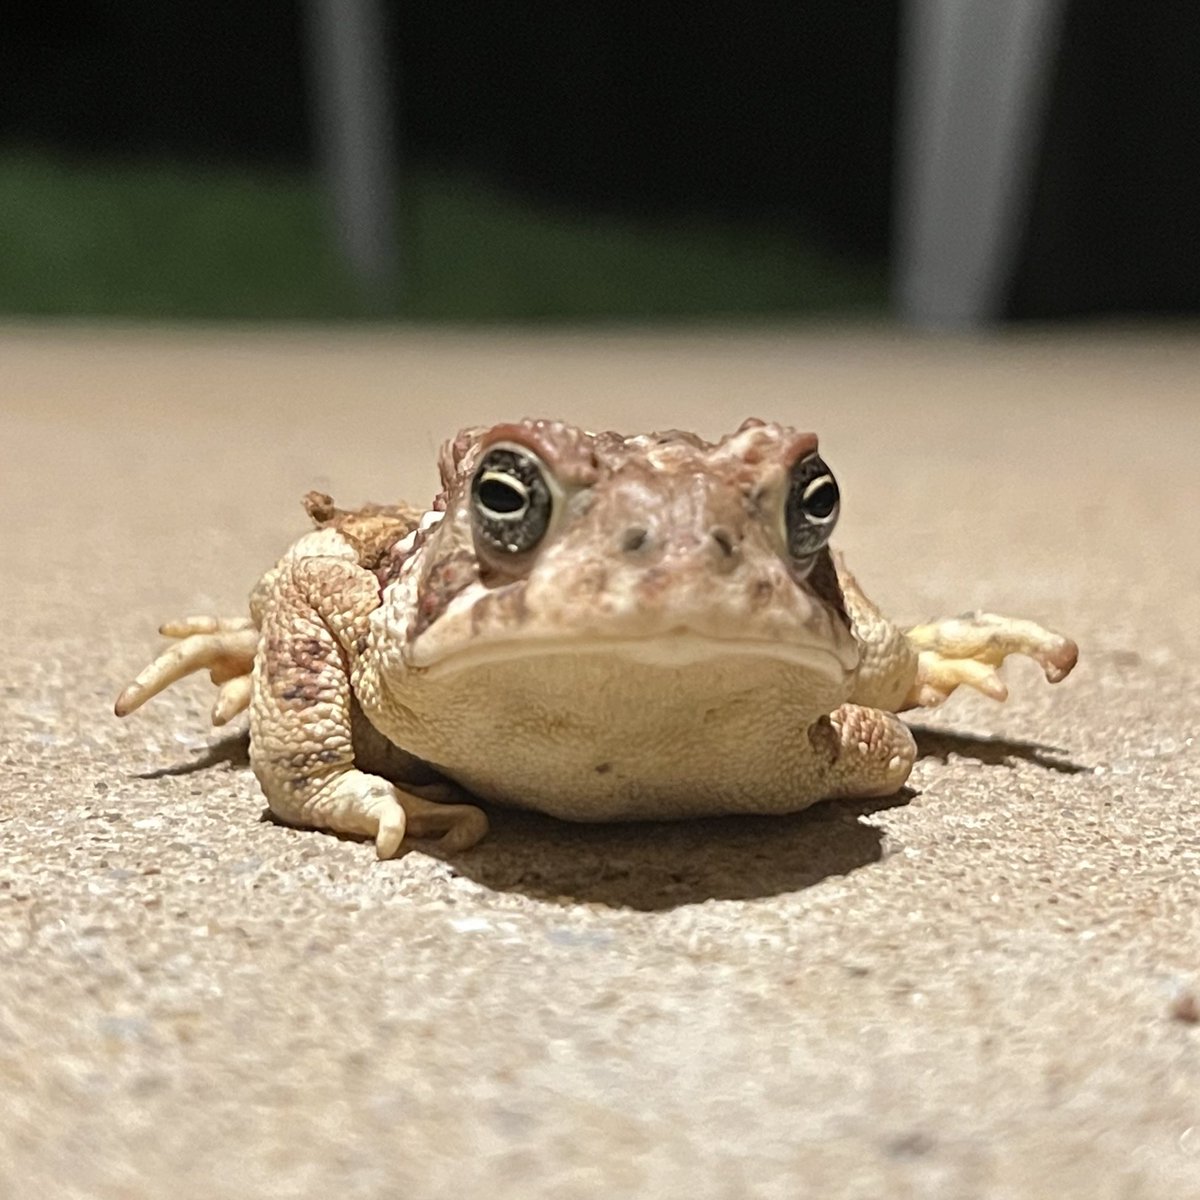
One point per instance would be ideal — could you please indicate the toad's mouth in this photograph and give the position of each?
(670, 651)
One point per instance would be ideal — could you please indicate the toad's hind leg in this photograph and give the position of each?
(303, 716)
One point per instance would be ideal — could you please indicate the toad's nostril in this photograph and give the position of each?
(634, 538)
(723, 538)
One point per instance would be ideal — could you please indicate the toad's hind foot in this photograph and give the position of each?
(967, 650)
(224, 646)
(453, 827)
(354, 802)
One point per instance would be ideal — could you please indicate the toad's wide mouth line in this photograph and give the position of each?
(668, 651)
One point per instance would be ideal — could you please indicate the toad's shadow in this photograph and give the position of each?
(231, 752)
(992, 751)
(659, 865)
(654, 865)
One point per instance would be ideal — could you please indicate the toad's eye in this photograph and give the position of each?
(812, 506)
(511, 500)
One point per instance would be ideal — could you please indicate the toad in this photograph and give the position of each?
(595, 626)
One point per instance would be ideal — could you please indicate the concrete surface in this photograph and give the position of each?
(982, 988)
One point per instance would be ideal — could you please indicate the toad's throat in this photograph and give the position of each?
(678, 649)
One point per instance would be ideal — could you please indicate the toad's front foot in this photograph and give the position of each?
(968, 649)
(224, 646)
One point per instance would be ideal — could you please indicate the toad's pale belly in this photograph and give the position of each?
(599, 736)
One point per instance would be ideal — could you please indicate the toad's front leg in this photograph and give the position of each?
(920, 667)
(968, 650)
(302, 745)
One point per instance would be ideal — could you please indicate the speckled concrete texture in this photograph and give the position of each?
(984, 987)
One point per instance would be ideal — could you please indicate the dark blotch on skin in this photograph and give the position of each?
(302, 665)
(303, 695)
(307, 654)
(301, 766)
(603, 768)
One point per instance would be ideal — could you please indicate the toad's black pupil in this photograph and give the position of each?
(501, 497)
(821, 503)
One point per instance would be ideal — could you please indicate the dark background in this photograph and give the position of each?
(1114, 224)
(765, 131)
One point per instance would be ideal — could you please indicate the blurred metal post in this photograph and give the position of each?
(974, 75)
(355, 134)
